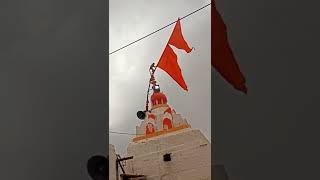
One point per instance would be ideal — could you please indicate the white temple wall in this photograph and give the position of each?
(190, 156)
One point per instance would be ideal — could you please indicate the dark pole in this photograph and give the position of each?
(117, 170)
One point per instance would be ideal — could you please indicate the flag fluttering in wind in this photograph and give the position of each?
(222, 57)
(169, 61)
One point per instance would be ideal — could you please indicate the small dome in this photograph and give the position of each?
(158, 98)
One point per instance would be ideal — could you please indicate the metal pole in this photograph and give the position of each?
(117, 170)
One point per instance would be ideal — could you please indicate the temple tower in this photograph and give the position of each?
(167, 147)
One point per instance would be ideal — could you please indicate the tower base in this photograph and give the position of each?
(180, 155)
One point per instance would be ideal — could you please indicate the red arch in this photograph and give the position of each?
(150, 129)
(168, 110)
(167, 122)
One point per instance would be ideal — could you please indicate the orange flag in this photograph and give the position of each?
(169, 61)
(177, 40)
(222, 57)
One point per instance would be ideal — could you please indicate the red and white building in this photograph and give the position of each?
(166, 147)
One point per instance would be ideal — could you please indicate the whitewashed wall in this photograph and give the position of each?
(190, 156)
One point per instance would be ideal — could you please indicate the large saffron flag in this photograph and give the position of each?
(169, 61)
(222, 57)
(177, 39)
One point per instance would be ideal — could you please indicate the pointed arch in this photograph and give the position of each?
(167, 124)
(150, 129)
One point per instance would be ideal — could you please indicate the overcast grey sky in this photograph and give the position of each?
(129, 75)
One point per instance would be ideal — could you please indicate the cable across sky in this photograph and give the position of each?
(133, 42)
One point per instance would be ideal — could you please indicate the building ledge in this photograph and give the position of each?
(132, 176)
(159, 133)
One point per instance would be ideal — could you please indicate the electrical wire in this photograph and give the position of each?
(158, 30)
(131, 134)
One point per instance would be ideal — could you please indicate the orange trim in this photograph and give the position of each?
(138, 138)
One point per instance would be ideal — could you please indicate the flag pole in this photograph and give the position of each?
(152, 81)
(147, 101)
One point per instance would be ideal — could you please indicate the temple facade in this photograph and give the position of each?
(161, 119)
(166, 147)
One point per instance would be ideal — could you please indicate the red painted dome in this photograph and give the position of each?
(158, 98)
